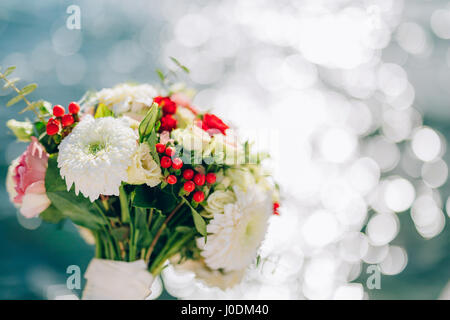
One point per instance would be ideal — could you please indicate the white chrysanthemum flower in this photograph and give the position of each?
(126, 99)
(192, 138)
(216, 202)
(235, 235)
(144, 168)
(96, 155)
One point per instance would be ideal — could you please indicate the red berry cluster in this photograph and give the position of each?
(276, 206)
(168, 122)
(192, 180)
(61, 120)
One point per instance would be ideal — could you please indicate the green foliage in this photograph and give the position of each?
(178, 64)
(199, 222)
(75, 207)
(148, 123)
(21, 93)
(51, 215)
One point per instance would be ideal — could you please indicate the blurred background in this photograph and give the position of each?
(356, 94)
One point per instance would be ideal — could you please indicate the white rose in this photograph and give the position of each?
(216, 202)
(143, 168)
(192, 138)
(185, 117)
(10, 184)
(225, 150)
(240, 177)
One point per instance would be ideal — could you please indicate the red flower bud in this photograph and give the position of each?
(67, 120)
(188, 174)
(211, 121)
(211, 178)
(74, 108)
(189, 186)
(171, 179)
(168, 123)
(166, 162)
(177, 163)
(199, 179)
(58, 111)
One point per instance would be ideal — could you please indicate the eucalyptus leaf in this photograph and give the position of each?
(9, 71)
(14, 101)
(28, 89)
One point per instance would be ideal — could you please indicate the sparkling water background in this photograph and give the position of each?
(357, 92)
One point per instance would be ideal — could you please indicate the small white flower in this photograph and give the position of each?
(143, 168)
(124, 99)
(192, 138)
(216, 202)
(96, 155)
(235, 235)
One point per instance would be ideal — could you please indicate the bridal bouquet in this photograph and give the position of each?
(150, 177)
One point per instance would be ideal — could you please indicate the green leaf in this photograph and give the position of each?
(120, 233)
(148, 124)
(140, 223)
(161, 75)
(103, 111)
(75, 207)
(184, 68)
(199, 222)
(152, 140)
(28, 89)
(10, 83)
(51, 215)
(14, 101)
(9, 71)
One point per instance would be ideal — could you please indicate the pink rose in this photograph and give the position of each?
(28, 179)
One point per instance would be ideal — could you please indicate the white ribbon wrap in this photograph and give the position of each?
(117, 280)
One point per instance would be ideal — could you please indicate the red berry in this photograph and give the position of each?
(52, 128)
(211, 178)
(53, 120)
(58, 111)
(199, 179)
(189, 186)
(171, 179)
(188, 174)
(170, 152)
(67, 120)
(166, 162)
(276, 205)
(198, 196)
(160, 147)
(74, 107)
(177, 163)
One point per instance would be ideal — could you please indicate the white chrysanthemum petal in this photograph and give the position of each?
(96, 155)
(235, 235)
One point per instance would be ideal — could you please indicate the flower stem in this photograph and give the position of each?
(158, 234)
(124, 208)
